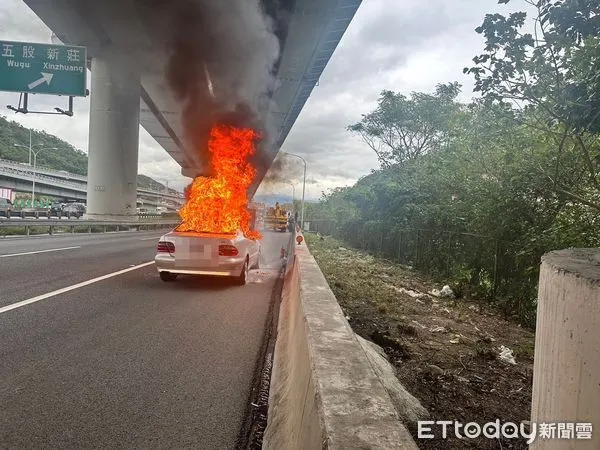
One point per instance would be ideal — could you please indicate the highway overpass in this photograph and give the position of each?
(123, 95)
(65, 185)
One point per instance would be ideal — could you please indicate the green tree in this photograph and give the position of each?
(552, 80)
(403, 128)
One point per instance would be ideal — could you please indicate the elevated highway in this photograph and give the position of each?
(122, 97)
(65, 185)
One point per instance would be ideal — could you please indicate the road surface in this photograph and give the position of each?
(95, 356)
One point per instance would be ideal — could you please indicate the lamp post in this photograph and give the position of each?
(303, 186)
(35, 153)
(28, 146)
(293, 191)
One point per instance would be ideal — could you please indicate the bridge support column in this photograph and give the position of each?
(113, 141)
(566, 386)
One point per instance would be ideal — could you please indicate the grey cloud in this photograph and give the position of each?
(390, 33)
(16, 22)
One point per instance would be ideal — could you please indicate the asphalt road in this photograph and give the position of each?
(91, 357)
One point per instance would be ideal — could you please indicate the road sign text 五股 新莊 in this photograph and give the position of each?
(43, 68)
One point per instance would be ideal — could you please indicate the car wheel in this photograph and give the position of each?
(243, 277)
(168, 276)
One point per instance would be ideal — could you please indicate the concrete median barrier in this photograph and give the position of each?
(325, 392)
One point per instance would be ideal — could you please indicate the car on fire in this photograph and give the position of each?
(204, 253)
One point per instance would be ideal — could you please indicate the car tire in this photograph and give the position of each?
(242, 278)
(168, 276)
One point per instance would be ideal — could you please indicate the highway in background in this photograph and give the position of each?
(122, 359)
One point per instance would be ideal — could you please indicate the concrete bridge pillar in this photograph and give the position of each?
(566, 373)
(114, 139)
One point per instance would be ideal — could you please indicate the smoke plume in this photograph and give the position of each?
(221, 60)
(283, 170)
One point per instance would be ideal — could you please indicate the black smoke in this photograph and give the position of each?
(235, 43)
(230, 46)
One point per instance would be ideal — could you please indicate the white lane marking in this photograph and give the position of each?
(148, 238)
(40, 251)
(70, 288)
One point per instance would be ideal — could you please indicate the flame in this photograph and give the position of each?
(219, 204)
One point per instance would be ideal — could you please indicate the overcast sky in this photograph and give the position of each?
(408, 45)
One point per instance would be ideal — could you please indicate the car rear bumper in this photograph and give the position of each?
(229, 267)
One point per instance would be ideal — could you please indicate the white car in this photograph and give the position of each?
(198, 253)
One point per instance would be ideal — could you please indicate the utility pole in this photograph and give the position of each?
(303, 186)
(35, 153)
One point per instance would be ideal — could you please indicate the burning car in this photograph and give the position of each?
(205, 253)
(218, 233)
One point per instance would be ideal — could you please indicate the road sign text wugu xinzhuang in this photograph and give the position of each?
(43, 68)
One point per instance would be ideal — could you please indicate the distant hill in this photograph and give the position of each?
(271, 199)
(65, 157)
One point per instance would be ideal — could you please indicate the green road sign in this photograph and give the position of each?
(43, 68)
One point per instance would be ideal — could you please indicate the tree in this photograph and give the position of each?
(403, 128)
(552, 78)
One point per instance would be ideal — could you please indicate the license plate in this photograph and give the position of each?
(200, 251)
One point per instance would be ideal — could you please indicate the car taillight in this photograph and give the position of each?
(165, 247)
(227, 250)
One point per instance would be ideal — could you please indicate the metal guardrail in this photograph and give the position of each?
(91, 225)
(32, 213)
(7, 223)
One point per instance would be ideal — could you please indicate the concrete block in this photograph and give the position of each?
(325, 392)
(566, 378)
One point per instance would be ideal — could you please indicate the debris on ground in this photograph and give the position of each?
(506, 355)
(447, 354)
(445, 292)
(409, 292)
(438, 329)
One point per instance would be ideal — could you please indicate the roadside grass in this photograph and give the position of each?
(16, 231)
(446, 351)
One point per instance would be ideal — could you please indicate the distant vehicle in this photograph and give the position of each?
(56, 208)
(197, 253)
(5, 204)
(74, 209)
(276, 218)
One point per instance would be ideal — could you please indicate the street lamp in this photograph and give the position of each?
(303, 186)
(293, 191)
(35, 153)
(30, 147)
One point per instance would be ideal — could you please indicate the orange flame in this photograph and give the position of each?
(218, 204)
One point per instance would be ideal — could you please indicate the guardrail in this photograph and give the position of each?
(43, 213)
(83, 225)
